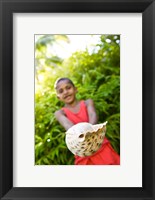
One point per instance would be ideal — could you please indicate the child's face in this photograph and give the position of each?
(66, 92)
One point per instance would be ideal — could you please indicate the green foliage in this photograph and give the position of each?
(96, 75)
(50, 147)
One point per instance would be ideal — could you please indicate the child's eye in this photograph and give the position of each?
(60, 91)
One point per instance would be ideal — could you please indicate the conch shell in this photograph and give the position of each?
(84, 139)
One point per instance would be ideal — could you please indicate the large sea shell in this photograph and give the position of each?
(84, 139)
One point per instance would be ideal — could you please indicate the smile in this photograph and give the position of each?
(66, 97)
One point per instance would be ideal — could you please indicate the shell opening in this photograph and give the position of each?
(81, 136)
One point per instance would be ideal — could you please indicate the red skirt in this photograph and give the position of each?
(104, 156)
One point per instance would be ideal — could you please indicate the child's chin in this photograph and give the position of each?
(69, 101)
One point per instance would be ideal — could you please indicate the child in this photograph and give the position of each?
(75, 112)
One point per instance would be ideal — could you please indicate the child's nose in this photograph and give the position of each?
(65, 91)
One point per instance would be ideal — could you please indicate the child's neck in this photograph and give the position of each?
(73, 104)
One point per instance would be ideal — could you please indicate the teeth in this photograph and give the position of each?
(67, 97)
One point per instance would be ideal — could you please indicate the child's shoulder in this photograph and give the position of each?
(89, 102)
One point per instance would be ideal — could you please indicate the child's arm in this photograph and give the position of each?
(91, 111)
(63, 120)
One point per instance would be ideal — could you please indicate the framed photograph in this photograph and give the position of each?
(126, 31)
